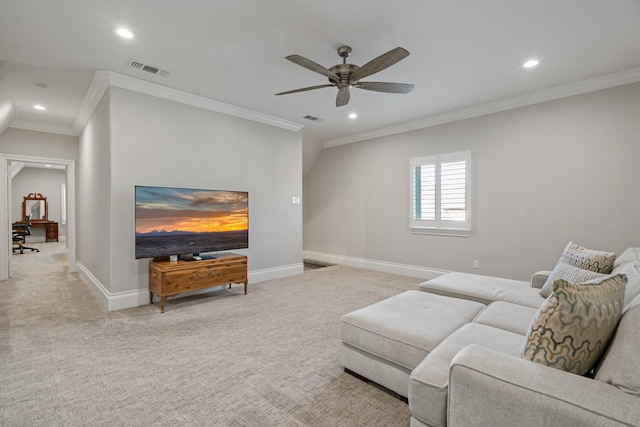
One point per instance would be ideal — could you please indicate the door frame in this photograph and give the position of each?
(6, 207)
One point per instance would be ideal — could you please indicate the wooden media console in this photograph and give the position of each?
(170, 278)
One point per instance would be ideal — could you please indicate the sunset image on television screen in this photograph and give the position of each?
(166, 210)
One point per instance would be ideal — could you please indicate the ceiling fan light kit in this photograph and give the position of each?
(345, 76)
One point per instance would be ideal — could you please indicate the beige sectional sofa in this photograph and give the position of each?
(455, 350)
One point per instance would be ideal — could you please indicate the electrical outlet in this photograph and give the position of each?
(476, 263)
(295, 200)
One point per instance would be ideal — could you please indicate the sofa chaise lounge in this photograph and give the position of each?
(455, 349)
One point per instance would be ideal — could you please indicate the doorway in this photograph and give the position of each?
(6, 206)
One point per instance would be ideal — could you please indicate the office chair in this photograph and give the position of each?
(17, 241)
(19, 233)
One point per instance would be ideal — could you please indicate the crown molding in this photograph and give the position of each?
(43, 127)
(102, 79)
(558, 92)
(97, 88)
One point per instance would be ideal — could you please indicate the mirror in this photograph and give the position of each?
(35, 205)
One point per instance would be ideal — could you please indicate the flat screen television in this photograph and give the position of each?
(186, 221)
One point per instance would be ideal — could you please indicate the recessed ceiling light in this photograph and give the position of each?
(39, 107)
(124, 33)
(353, 116)
(531, 63)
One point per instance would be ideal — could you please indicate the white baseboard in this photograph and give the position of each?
(139, 297)
(383, 266)
(257, 276)
(93, 283)
(115, 301)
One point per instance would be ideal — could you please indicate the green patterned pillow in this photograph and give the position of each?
(575, 324)
(588, 259)
(570, 273)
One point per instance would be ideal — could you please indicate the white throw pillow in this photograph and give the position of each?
(570, 273)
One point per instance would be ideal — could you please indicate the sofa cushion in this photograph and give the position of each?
(628, 263)
(570, 273)
(403, 329)
(574, 325)
(484, 289)
(429, 382)
(489, 388)
(629, 256)
(619, 366)
(510, 317)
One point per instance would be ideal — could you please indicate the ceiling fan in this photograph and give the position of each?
(344, 76)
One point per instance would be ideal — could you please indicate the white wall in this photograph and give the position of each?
(158, 142)
(544, 174)
(38, 144)
(7, 113)
(94, 196)
(7, 109)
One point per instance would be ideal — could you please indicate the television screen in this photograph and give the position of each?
(181, 221)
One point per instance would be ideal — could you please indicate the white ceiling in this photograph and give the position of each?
(463, 52)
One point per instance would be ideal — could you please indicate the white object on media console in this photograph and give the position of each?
(173, 258)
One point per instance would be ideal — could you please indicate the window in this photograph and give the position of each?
(441, 194)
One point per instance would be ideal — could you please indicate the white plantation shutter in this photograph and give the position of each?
(441, 194)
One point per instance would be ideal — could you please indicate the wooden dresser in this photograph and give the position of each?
(167, 278)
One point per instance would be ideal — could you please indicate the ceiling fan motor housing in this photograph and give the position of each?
(343, 71)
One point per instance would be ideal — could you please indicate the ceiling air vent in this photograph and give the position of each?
(150, 69)
(311, 118)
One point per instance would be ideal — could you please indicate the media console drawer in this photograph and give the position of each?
(168, 278)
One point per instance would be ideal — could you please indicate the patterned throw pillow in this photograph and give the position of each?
(574, 325)
(569, 273)
(588, 259)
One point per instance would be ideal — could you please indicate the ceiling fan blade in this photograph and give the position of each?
(304, 89)
(385, 87)
(343, 96)
(378, 64)
(313, 66)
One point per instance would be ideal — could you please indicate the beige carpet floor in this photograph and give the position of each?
(270, 358)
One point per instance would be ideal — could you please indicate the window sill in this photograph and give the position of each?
(453, 232)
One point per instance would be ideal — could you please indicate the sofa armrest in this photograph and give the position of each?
(487, 387)
(539, 278)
